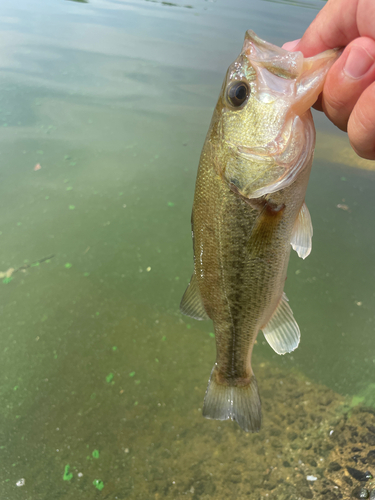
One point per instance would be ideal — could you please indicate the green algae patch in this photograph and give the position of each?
(68, 265)
(114, 348)
(67, 475)
(95, 454)
(170, 204)
(109, 377)
(7, 280)
(99, 485)
(356, 400)
(365, 396)
(211, 335)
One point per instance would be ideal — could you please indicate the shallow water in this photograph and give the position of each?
(112, 99)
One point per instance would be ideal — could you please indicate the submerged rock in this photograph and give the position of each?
(334, 466)
(359, 475)
(371, 457)
(360, 492)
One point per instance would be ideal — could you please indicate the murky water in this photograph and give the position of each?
(104, 107)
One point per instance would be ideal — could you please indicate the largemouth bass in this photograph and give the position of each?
(248, 211)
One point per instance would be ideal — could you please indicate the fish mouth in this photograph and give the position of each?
(257, 171)
(302, 77)
(279, 61)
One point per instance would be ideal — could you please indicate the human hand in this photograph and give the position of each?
(348, 97)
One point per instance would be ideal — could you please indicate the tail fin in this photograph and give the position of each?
(239, 403)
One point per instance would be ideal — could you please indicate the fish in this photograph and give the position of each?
(248, 212)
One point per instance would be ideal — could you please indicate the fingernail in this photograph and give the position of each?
(291, 45)
(358, 62)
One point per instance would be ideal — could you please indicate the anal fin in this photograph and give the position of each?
(282, 332)
(302, 233)
(191, 303)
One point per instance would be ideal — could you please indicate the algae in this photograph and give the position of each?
(67, 475)
(99, 485)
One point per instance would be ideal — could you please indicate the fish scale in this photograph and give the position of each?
(248, 210)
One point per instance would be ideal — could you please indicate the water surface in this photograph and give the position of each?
(112, 100)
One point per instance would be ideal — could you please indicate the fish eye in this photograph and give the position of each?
(238, 93)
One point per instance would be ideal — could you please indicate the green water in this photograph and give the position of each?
(112, 99)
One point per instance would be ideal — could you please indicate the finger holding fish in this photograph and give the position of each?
(348, 94)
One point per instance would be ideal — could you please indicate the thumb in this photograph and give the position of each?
(291, 46)
(348, 78)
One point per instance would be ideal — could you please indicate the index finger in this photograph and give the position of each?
(336, 25)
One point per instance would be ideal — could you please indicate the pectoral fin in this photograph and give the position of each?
(268, 220)
(191, 303)
(302, 233)
(282, 332)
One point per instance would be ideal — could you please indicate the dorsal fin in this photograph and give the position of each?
(282, 332)
(302, 233)
(191, 303)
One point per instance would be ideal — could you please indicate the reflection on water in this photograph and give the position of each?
(103, 112)
(298, 3)
(170, 4)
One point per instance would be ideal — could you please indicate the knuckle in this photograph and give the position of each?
(361, 131)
